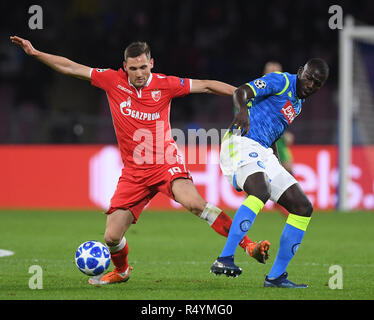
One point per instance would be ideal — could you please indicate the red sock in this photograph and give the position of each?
(119, 259)
(222, 226)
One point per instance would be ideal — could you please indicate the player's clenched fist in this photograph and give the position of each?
(24, 44)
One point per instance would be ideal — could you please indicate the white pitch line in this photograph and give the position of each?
(312, 264)
(5, 253)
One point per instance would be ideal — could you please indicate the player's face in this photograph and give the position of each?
(138, 69)
(309, 81)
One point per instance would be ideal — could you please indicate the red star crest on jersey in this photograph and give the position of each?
(156, 95)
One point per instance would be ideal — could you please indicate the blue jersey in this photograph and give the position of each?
(273, 108)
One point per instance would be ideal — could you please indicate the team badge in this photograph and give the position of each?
(156, 95)
(253, 154)
(260, 84)
(245, 225)
(261, 164)
(295, 247)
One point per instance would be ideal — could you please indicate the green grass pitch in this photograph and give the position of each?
(171, 253)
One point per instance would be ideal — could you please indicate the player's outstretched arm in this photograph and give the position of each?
(57, 63)
(212, 86)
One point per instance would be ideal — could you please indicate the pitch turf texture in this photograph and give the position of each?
(171, 253)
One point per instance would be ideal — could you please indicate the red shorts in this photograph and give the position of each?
(136, 187)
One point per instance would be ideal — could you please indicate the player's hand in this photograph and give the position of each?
(241, 122)
(24, 44)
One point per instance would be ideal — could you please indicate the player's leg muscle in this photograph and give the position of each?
(186, 194)
(117, 224)
(295, 201)
(257, 185)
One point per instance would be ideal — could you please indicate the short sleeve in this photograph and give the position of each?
(103, 78)
(179, 86)
(270, 84)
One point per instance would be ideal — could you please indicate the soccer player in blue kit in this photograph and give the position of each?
(267, 106)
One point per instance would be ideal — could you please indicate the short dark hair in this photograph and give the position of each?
(319, 64)
(136, 49)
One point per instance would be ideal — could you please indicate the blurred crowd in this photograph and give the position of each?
(224, 40)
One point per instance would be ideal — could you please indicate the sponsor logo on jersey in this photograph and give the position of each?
(289, 112)
(125, 104)
(124, 89)
(101, 70)
(127, 111)
(260, 84)
(156, 95)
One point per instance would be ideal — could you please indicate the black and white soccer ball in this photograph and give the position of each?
(92, 258)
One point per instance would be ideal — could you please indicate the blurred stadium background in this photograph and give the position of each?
(57, 139)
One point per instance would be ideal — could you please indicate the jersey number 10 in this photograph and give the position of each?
(175, 170)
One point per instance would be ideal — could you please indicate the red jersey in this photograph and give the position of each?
(141, 117)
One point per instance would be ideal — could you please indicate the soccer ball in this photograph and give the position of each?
(92, 258)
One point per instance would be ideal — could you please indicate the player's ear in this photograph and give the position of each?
(151, 63)
(124, 66)
(300, 71)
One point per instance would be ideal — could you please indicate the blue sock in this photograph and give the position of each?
(290, 240)
(243, 220)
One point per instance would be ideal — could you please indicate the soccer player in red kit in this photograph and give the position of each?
(140, 106)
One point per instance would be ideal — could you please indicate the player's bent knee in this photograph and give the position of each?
(308, 209)
(111, 239)
(196, 207)
(304, 208)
